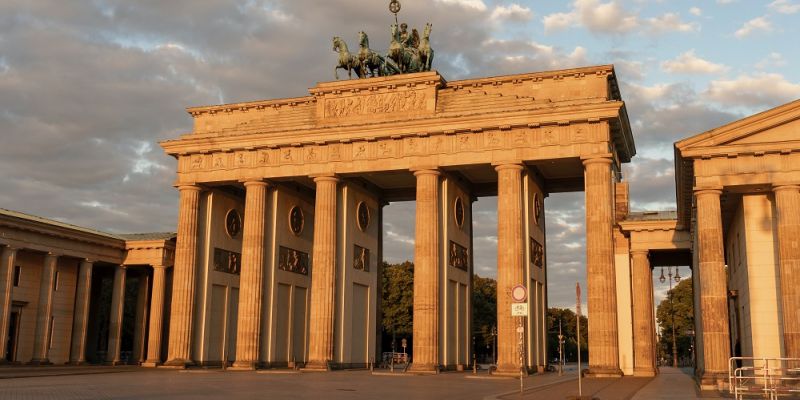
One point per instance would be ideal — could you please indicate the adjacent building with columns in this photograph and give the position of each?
(68, 292)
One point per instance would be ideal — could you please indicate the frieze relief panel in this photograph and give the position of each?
(459, 256)
(380, 103)
(292, 260)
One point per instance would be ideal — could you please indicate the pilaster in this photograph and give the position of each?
(156, 317)
(117, 312)
(139, 339)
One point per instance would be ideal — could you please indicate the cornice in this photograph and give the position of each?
(61, 232)
(650, 225)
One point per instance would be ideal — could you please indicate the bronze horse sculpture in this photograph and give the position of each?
(425, 50)
(347, 61)
(407, 58)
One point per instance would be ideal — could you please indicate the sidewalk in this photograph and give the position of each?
(670, 384)
(24, 371)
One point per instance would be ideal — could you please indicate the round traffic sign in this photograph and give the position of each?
(519, 293)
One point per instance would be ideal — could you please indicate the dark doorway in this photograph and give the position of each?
(13, 331)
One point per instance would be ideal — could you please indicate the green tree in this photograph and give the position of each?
(683, 306)
(568, 328)
(484, 314)
(397, 300)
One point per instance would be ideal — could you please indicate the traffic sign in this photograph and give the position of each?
(519, 293)
(519, 309)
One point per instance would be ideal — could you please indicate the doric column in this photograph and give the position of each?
(323, 277)
(183, 286)
(713, 287)
(643, 321)
(80, 320)
(44, 311)
(115, 320)
(6, 283)
(600, 274)
(787, 201)
(510, 262)
(251, 280)
(426, 273)
(139, 330)
(156, 317)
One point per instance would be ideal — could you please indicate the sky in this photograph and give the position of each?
(88, 88)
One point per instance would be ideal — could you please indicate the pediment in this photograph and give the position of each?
(771, 127)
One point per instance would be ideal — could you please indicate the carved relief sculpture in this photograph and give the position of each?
(459, 256)
(458, 212)
(233, 223)
(537, 208)
(227, 261)
(537, 253)
(296, 220)
(360, 258)
(292, 260)
(362, 216)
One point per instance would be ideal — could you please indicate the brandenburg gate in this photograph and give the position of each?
(279, 249)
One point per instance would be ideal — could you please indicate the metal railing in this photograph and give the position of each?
(764, 377)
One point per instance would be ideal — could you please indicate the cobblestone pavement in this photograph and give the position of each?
(139, 383)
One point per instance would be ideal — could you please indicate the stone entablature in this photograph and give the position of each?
(403, 121)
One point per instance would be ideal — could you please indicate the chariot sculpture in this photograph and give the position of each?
(408, 52)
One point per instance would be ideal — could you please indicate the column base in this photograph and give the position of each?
(178, 363)
(416, 368)
(78, 363)
(603, 372)
(151, 363)
(244, 366)
(114, 363)
(317, 366)
(712, 381)
(509, 370)
(644, 372)
(42, 361)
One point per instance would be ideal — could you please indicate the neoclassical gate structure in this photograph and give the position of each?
(279, 236)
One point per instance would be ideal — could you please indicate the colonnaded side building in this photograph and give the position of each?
(278, 251)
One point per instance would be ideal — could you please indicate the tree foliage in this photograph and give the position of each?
(568, 328)
(484, 313)
(397, 298)
(682, 303)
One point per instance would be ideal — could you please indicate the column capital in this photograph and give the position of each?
(426, 171)
(777, 187)
(326, 178)
(644, 252)
(255, 182)
(511, 165)
(709, 190)
(159, 266)
(8, 247)
(122, 267)
(189, 187)
(52, 254)
(602, 158)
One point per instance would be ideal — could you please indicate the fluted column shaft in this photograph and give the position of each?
(713, 285)
(81, 316)
(139, 338)
(6, 283)
(510, 262)
(787, 201)
(643, 321)
(156, 316)
(600, 273)
(44, 311)
(323, 277)
(115, 320)
(426, 273)
(251, 280)
(183, 287)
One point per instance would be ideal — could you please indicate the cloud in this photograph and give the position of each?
(513, 13)
(784, 6)
(758, 91)
(754, 25)
(696, 11)
(469, 4)
(595, 16)
(773, 60)
(689, 63)
(671, 22)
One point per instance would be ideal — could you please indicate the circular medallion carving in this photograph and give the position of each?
(458, 212)
(362, 216)
(233, 223)
(296, 220)
(537, 208)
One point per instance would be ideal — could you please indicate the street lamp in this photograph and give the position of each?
(672, 310)
(560, 350)
(494, 345)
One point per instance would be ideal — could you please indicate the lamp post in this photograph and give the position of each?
(672, 310)
(494, 345)
(560, 350)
